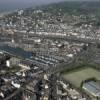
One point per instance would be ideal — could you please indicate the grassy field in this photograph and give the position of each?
(76, 77)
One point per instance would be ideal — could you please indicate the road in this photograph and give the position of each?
(68, 38)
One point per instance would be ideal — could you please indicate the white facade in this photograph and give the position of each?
(8, 63)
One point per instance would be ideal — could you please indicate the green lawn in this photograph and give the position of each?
(76, 77)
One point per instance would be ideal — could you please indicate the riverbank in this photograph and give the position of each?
(6, 13)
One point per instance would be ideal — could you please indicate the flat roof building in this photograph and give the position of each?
(92, 88)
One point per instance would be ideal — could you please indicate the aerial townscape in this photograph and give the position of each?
(51, 52)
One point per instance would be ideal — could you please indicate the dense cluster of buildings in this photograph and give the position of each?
(30, 82)
(36, 43)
